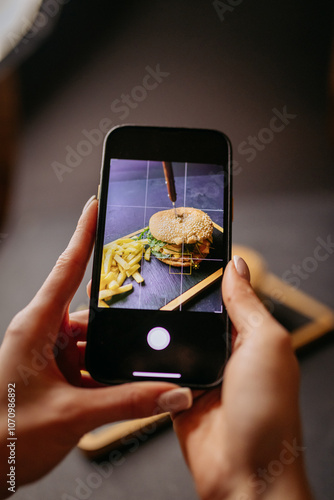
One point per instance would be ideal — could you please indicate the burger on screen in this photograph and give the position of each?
(181, 237)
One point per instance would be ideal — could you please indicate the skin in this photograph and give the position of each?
(228, 436)
(234, 438)
(55, 404)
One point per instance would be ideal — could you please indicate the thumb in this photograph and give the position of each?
(57, 291)
(127, 401)
(246, 311)
(263, 362)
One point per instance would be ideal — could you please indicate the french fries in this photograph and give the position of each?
(120, 260)
(147, 255)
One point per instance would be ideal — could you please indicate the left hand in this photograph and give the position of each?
(55, 403)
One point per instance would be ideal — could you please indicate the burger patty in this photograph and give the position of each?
(184, 253)
(195, 251)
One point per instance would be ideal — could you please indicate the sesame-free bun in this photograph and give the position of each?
(190, 225)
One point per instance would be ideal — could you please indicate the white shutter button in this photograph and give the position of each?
(158, 338)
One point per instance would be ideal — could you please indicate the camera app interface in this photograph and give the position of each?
(163, 237)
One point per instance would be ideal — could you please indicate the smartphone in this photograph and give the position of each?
(163, 240)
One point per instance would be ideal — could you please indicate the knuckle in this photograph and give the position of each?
(18, 325)
(66, 260)
(63, 260)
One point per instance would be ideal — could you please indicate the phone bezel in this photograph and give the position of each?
(157, 143)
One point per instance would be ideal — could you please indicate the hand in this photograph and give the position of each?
(55, 403)
(243, 441)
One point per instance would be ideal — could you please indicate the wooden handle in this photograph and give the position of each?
(184, 297)
(94, 444)
(321, 316)
(169, 176)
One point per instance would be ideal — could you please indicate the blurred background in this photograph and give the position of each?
(258, 71)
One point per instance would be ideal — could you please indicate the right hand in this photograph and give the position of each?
(243, 440)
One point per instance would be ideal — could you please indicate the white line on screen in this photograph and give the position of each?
(156, 374)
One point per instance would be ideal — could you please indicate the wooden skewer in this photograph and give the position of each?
(184, 297)
(169, 176)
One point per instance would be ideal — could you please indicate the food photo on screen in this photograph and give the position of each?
(158, 254)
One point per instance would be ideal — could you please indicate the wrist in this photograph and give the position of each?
(274, 482)
(260, 484)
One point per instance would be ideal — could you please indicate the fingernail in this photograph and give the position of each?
(92, 198)
(175, 400)
(241, 267)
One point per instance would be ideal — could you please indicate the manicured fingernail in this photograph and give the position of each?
(241, 267)
(175, 400)
(92, 198)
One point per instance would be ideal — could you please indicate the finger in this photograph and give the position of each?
(234, 336)
(89, 288)
(67, 354)
(205, 415)
(63, 281)
(70, 346)
(196, 394)
(79, 324)
(263, 364)
(203, 400)
(247, 313)
(88, 382)
(81, 347)
(127, 401)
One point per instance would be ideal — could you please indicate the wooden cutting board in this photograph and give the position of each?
(272, 288)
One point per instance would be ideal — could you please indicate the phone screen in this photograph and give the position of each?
(136, 191)
(156, 310)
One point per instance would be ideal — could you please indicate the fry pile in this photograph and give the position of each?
(121, 260)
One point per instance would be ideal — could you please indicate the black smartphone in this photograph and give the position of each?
(163, 241)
